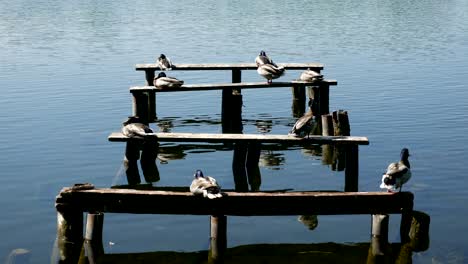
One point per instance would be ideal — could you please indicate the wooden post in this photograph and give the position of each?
(94, 227)
(218, 238)
(379, 248)
(341, 125)
(405, 225)
(352, 168)
(132, 154)
(149, 75)
(299, 95)
(238, 167)
(152, 107)
(94, 250)
(251, 165)
(231, 107)
(327, 130)
(69, 233)
(324, 98)
(140, 106)
(149, 154)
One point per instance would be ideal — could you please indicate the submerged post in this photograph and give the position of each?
(69, 233)
(132, 154)
(299, 96)
(352, 168)
(218, 238)
(238, 167)
(140, 106)
(251, 164)
(149, 154)
(231, 106)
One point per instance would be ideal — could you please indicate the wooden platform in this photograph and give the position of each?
(220, 86)
(233, 203)
(228, 66)
(223, 138)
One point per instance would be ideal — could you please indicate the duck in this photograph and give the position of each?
(310, 76)
(164, 63)
(398, 173)
(165, 82)
(303, 125)
(133, 127)
(205, 186)
(270, 72)
(262, 59)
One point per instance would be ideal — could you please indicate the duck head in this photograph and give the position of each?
(161, 74)
(198, 174)
(262, 53)
(404, 154)
(162, 57)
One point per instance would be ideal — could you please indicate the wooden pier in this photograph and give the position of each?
(72, 202)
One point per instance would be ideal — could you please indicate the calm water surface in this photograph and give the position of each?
(66, 68)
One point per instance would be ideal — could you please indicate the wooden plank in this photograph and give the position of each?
(235, 203)
(228, 66)
(220, 86)
(219, 138)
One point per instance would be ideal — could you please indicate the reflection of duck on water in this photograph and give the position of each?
(205, 185)
(311, 221)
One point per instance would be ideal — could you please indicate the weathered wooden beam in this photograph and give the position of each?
(220, 86)
(223, 138)
(235, 203)
(227, 66)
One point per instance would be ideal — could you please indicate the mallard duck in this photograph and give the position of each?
(164, 63)
(205, 185)
(303, 125)
(165, 82)
(270, 72)
(398, 173)
(262, 59)
(134, 128)
(310, 76)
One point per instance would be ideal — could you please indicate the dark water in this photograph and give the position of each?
(66, 68)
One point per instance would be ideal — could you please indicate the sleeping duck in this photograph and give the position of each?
(270, 72)
(134, 128)
(165, 82)
(164, 63)
(310, 76)
(303, 125)
(205, 185)
(397, 173)
(262, 59)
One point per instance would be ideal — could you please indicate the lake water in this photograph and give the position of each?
(66, 67)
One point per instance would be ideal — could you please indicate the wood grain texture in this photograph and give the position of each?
(220, 138)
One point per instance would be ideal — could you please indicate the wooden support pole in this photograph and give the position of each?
(94, 227)
(69, 233)
(218, 238)
(132, 154)
(341, 125)
(299, 97)
(251, 165)
(140, 106)
(327, 130)
(238, 167)
(152, 107)
(149, 75)
(379, 249)
(352, 168)
(149, 154)
(405, 225)
(324, 98)
(94, 250)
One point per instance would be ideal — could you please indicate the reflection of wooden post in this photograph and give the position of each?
(218, 238)
(149, 154)
(419, 232)
(251, 165)
(94, 226)
(238, 167)
(69, 233)
(352, 168)
(405, 225)
(94, 250)
(132, 154)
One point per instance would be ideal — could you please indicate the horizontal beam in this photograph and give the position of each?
(221, 138)
(233, 203)
(219, 86)
(228, 66)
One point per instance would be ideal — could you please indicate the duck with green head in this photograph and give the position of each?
(398, 173)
